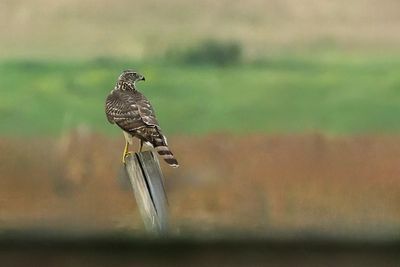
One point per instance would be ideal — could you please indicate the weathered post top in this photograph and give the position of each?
(146, 178)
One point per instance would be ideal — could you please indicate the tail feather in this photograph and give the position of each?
(161, 146)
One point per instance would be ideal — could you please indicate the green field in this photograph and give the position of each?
(322, 67)
(333, 93)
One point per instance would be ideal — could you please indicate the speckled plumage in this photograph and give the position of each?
(132, 112)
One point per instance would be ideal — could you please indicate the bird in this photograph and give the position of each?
(131, 111)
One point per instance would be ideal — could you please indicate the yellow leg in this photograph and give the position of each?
(126, 153)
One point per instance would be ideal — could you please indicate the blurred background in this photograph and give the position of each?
(284, 115)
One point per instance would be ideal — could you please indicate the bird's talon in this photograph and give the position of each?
(125, 156)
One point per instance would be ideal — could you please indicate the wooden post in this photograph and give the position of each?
(146, 178)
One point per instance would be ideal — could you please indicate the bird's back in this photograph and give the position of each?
(133, 113)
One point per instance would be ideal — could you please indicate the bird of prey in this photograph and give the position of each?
(132, 112)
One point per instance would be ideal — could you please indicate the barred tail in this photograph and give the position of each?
(161, 146)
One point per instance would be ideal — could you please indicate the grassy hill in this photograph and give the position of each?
(144, 28)
(330, 93)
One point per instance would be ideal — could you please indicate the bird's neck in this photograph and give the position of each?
(126, 86)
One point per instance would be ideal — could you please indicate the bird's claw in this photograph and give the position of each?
(125, 156)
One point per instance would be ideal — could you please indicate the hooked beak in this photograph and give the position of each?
(142, 78)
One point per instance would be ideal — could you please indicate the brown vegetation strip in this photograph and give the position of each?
(256, 183)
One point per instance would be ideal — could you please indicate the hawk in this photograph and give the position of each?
(132, 112)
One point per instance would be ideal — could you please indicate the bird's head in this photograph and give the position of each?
(128, 78)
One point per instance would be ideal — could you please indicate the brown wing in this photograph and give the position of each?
(145, 109)
(129, 110)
